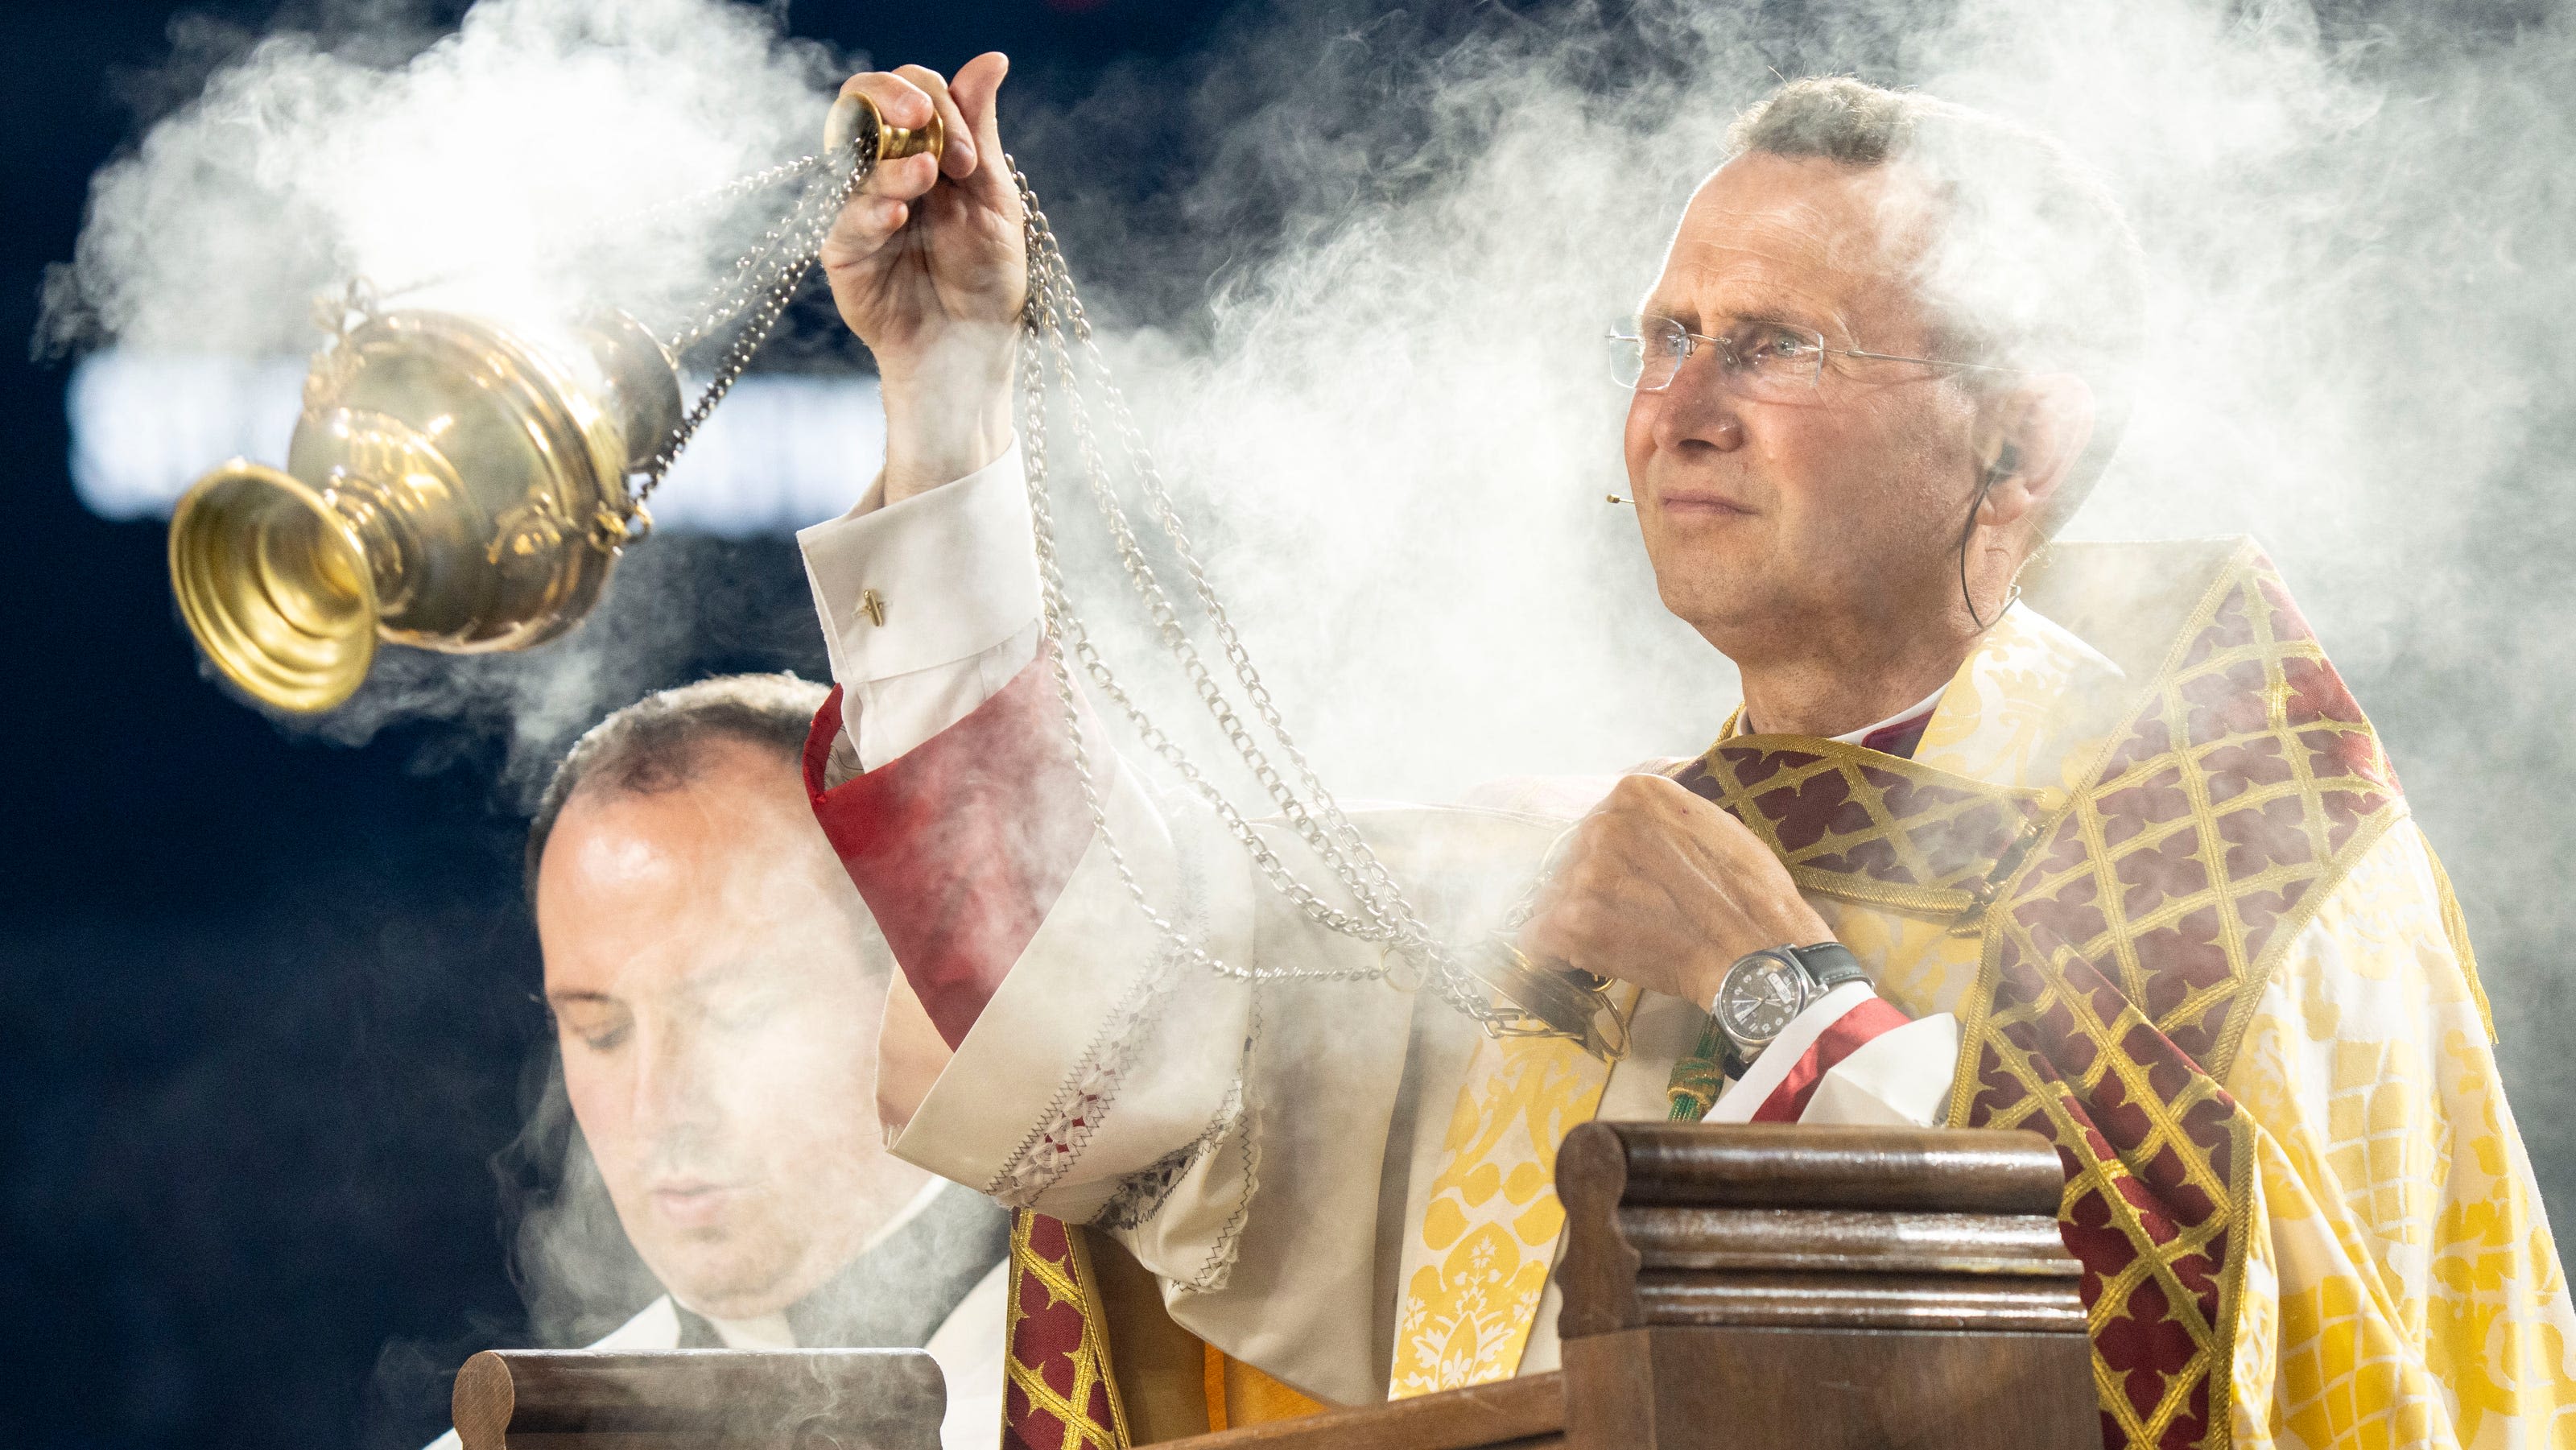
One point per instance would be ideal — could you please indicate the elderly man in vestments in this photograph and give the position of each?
(2095, 846)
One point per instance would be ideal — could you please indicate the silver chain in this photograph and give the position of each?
(733, 291)
(763, 280)
(1056, 339)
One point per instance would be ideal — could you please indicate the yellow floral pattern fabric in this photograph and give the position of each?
(1478, 1261)
(2415, 1296)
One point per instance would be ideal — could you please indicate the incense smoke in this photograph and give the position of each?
(527, 161)
(2358, 242)
(545, 157)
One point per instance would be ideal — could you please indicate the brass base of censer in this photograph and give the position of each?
(455, 483)
(452, 484)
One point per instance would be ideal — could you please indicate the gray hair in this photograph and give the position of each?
(659, 742)
(2036, 267)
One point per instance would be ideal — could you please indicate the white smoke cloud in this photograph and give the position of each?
(2360, 245)
(1367, 328)
(1399, 423)
(505, 152)
(1361, 332)
(546, 156)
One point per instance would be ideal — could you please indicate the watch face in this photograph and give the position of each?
(1757, 999)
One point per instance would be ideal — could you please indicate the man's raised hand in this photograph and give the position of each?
(929, 266)
(1661, 888)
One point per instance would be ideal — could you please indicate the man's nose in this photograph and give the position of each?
(672, 1091)
(1696, 411)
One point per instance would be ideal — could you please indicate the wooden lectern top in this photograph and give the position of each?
(1726, 1287)
(1756, 1224)
(700, 1399)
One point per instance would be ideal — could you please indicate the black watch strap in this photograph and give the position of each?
(1830, 964)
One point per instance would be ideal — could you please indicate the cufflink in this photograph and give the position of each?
(872, 605)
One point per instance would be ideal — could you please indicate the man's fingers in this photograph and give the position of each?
(957, 142)
(902, 103)
(1563, 865)
(898, 100)
(1590, 909)
(1686, 831)
(977, 91)
(880, 217)
(1548, 940)
(906, 180)
(863, 229)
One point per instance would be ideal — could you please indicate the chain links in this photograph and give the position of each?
(1056, 341)
(763, 281)
(734, 190)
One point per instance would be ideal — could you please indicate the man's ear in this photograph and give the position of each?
(2031, 436)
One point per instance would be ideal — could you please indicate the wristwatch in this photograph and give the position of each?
(1765, 991)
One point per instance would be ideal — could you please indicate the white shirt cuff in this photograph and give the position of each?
(941, 577)
(1738, 1104)
(1900, 1078)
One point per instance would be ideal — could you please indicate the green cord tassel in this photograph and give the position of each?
(1696, 1079)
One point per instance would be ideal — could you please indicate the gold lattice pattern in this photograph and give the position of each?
(2127, 958)
(1057, 1392)
(2127, 935)
(1853, 823)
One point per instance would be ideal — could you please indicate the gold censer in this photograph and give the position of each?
(460, 484)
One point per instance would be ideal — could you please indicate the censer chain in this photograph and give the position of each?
(765, 279)
(1056, 339)
(363, 294)
(761, 283)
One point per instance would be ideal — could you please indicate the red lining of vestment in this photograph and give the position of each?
(1860, 1024)
(960, 846)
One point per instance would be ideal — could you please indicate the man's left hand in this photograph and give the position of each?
(1661, 888)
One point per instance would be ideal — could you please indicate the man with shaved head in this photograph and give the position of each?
(2086, 841)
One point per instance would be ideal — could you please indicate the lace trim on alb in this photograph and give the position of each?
(1142, 1194)
(1084, 1100)
(1219, 1266)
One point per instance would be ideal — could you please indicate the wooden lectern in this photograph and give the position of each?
(1726, 1287)
(700, 1399)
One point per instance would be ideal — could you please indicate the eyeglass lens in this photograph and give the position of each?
(1768, 361)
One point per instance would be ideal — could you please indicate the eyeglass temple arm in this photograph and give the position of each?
(1936, 362)
(1690, 337)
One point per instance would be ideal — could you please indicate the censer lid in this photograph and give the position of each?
(274, 583)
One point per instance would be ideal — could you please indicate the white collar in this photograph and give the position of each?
(1923, 706)
(769, 1331)
(1743, 722)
